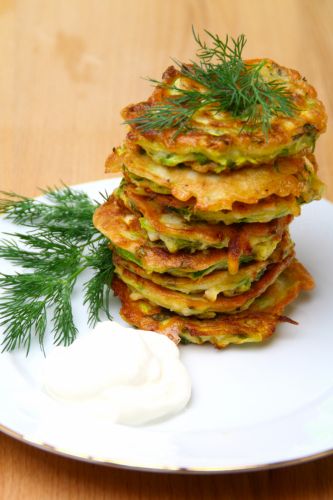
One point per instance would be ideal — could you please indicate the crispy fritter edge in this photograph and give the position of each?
(147, 316)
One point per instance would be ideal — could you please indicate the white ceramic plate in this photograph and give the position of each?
(253, 406)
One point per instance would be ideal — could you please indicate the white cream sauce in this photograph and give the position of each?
(126, 376)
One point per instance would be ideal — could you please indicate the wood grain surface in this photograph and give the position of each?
(67, 68)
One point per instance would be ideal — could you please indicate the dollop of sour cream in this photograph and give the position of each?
(126, 376)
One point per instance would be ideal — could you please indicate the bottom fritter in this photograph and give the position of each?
(253, 325)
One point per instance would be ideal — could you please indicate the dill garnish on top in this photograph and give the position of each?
(226, 84)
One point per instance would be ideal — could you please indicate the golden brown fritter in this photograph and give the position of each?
(254, 325)
(220, 140)
(176, 232)
(219, 281)
(214, 192)
(265, 210)
(123, 228)
(198, 304)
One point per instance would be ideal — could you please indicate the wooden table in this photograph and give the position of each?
(67, 68)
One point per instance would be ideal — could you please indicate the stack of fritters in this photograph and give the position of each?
(199, 224)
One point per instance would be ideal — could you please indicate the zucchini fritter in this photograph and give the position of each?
(214, 192)
(219, 281)
(198, 304)
(176, 232)
(265, 210)
(253, 325)
(218, 140)
(246, 242)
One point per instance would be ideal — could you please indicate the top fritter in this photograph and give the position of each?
(223, 112)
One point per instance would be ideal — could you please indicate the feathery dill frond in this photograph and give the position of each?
(227, 84)
(61, 243)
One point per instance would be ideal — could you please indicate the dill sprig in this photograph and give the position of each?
(62, 211)
(227, 83)
(60, 244)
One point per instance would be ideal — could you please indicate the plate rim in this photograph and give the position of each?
(126, 465)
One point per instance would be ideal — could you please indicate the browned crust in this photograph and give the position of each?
(237, 234)
(244, 209)
(284, 249)
(278, 135)
(147, 316)
(214, 192)
(198, 302)
(109, 220)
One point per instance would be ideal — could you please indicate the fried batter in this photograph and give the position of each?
(122, 227)
(256, 324)
(219, 281)
(214, 192)
(198, 304)
(219, 140)
(265, 210)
